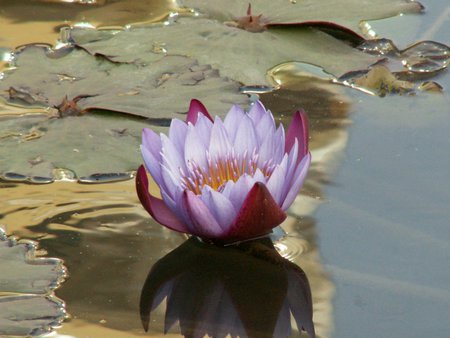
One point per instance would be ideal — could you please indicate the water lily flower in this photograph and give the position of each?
(227, 180)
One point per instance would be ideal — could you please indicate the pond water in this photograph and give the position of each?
(370, 229)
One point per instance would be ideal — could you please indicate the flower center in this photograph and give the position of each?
(220, 170)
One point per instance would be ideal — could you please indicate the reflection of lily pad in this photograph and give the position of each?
(246, 57)
(345, 12)
(29, 307)
(98, 143)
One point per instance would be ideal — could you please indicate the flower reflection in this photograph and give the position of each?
(247, 290)
(225, 180)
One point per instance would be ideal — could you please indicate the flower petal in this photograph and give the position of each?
(153, 165)
(152, 142)
(194, 148)
(195, 108)
(233, 119)
(237, 192)
(219, 144)
(171, 157)
(258, 215)
(299, 177)
(265, 127)
(204, 127)
(298, 130)
(257, 111)
(276, 181)
(246, 139)
(220, 206)
(177, 134)
(154, 206)
(203, 221)
(151, 153)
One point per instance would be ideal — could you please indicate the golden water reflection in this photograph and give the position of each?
(24, 21)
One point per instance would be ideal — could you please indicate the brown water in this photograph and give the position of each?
(370, 229)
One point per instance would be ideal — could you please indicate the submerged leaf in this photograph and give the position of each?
(383, 82)
(246, 57)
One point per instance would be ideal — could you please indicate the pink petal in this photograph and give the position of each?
(152, 142)
(154, 206)
(195, 148)
(203, 221)
(220, 207)
(203, 127)
(177, 134)
(276, 181)
(219, 144)
(258, 215)
(265, 127)
(246, 138)
(172, 157)
(195, 108)
(298, 130)
(299, 177)
(153, 165)
(257, 111)
(233, 119)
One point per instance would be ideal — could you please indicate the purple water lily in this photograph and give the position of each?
(225, 180)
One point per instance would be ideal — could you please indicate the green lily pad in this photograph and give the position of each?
(238, 54)
(72, 136)
(348, 13)
(160, 90)
(27, 305)
(23, 272)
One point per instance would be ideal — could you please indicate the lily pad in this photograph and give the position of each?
(76, 83)
(23, 272)
(246, 57)
(348, 13)
(29, 315)
(27, 305)
(161, 90)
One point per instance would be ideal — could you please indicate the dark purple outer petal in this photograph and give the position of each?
(194, 108)
(155, 206)
(258, 215)
(298, 130)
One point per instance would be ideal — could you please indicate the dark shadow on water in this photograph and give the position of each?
(247, 290)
